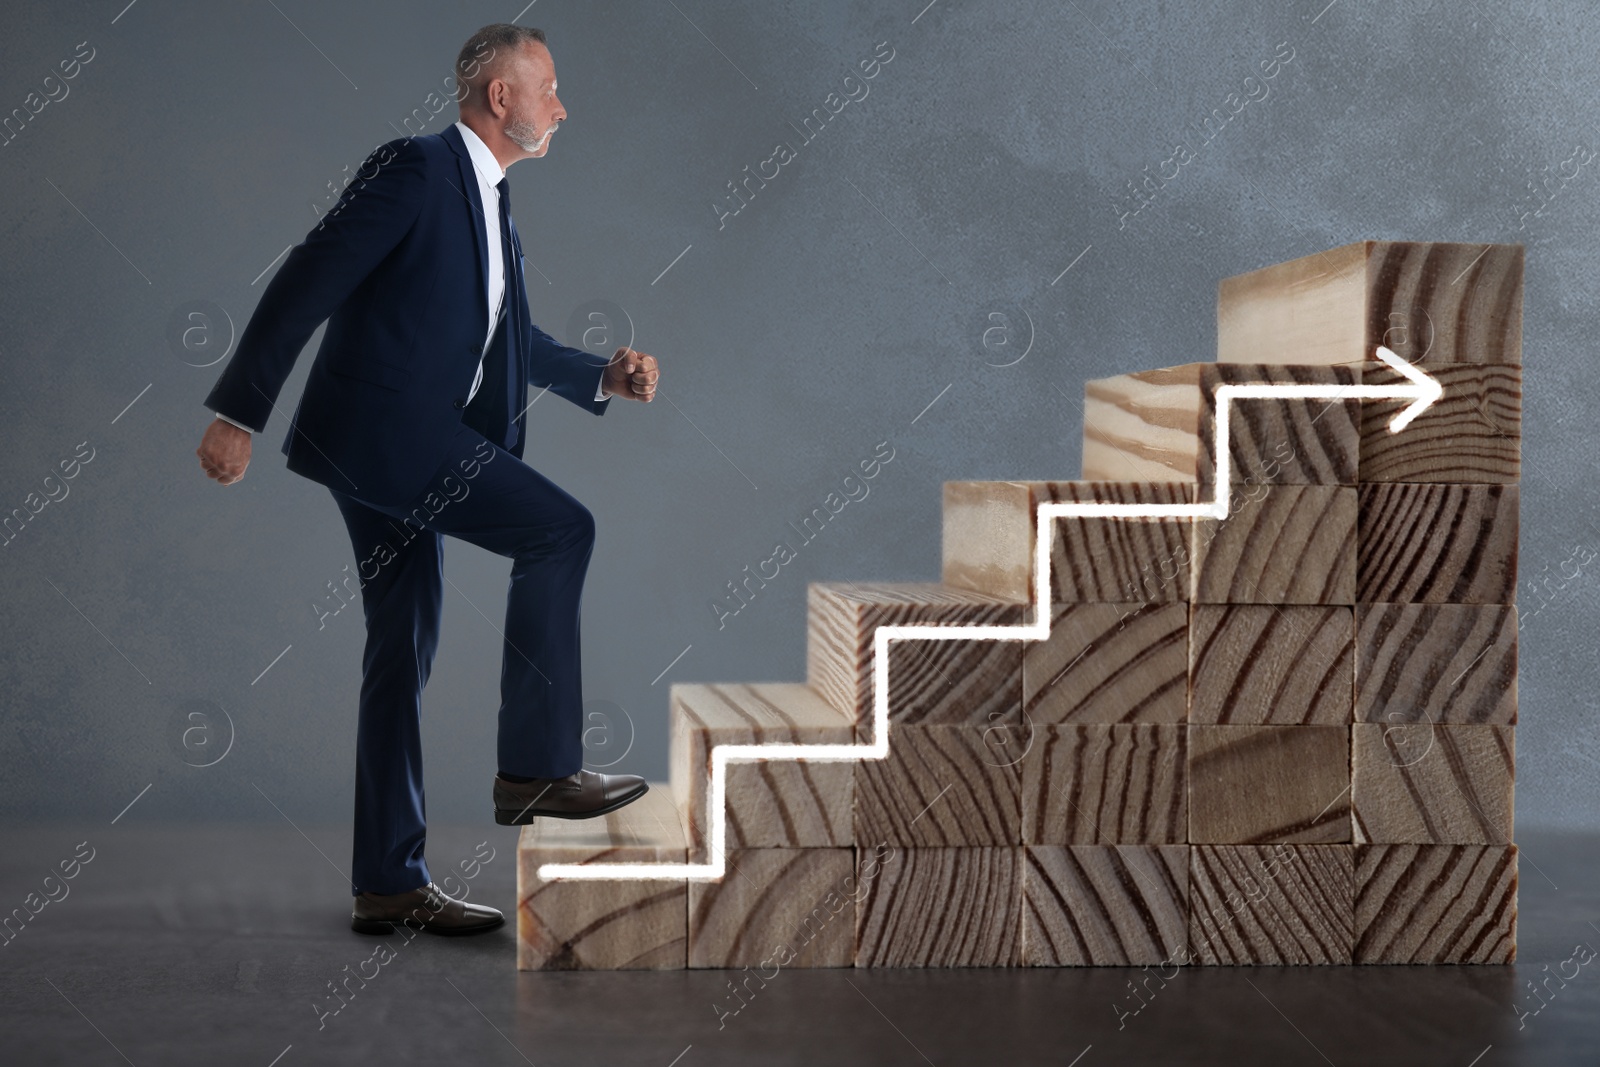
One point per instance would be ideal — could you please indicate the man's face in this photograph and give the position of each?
(535, 111)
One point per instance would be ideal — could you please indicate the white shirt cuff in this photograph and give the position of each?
(232, 422)
(600, 390)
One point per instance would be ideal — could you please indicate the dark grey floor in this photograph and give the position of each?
(209, 944)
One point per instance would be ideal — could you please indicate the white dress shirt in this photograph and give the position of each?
(489, 174)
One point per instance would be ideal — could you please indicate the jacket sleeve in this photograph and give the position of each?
(372, 215)
(569, 372)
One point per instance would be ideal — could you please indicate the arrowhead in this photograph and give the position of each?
(1428, 389)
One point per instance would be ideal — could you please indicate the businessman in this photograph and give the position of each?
(414, 416)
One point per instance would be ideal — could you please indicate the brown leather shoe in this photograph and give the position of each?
(577, 796)
(426, 907)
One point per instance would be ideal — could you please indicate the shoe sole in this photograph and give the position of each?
(385, 926)
(508, 817)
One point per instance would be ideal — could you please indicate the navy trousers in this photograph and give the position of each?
(484, 495)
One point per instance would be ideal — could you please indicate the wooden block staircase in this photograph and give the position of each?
(1245, 694)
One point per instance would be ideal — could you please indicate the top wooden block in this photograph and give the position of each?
(1428, 301)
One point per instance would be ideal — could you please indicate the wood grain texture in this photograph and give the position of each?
(584, 925)
(941, 907)
(939, 785)
(1118, 560)
(989, 531)
(1261, 664)
(772, 898)
(1442, 663)
(1437, 544)
(1108, 663)
(1264, 784)
(1104, 905)
(1436, 904)
(1143, 426)
(1430, 302)
(1105, 783)
(929, 681)
(1160, 425)
(770, 804)
(1277, 904)
(1446, 302)
(1285, 544)
(1419, 784)
(969, 681)
(1472, 433)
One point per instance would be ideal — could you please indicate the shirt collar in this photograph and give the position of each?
(489, 170)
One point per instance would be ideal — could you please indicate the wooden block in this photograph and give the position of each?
(1442, 663)
(1428, 301)
(1105, 783)
(1261, 664)
(966, 681)
(1472, 433)
(1422, 784)
(940, 907)
(1283, 544)
(1264, 784)
(1108, 663)
(1160, 425)
(771, 804)
(603, 925)
(1104, 905)
(1118, 559)
(1437, 544)
(772, 899)
(939, 785)
(989, 531)
(1274, 904)
(1436, 904)
(929, 681)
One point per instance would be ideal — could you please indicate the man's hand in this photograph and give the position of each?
(224, 451)
(631, 374)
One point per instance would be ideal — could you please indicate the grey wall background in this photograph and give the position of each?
(847, 297)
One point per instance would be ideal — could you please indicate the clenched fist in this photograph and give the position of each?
(631, 374)
(224, 451)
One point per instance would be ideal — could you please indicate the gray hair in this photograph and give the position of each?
(480, 57)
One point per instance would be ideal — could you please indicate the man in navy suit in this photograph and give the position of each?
(414, 416)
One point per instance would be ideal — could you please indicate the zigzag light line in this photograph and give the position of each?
(1423, 388)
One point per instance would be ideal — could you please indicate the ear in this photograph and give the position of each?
(496, 97)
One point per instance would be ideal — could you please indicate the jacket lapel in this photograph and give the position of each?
(473, 206)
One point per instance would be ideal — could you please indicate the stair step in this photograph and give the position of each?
(989, 531)
(1160, 425)
(773, 803)
(586, 924)
(1172, 774)
(1428, 301)
(945, 681)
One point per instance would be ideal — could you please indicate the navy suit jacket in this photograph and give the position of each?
(398, 268)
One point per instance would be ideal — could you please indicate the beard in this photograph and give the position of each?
(525, 135)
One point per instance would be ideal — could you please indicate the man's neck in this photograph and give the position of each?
(505, 152)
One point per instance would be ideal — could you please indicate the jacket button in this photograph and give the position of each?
(460, 404)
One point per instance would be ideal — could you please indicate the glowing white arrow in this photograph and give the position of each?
(1424, 388)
